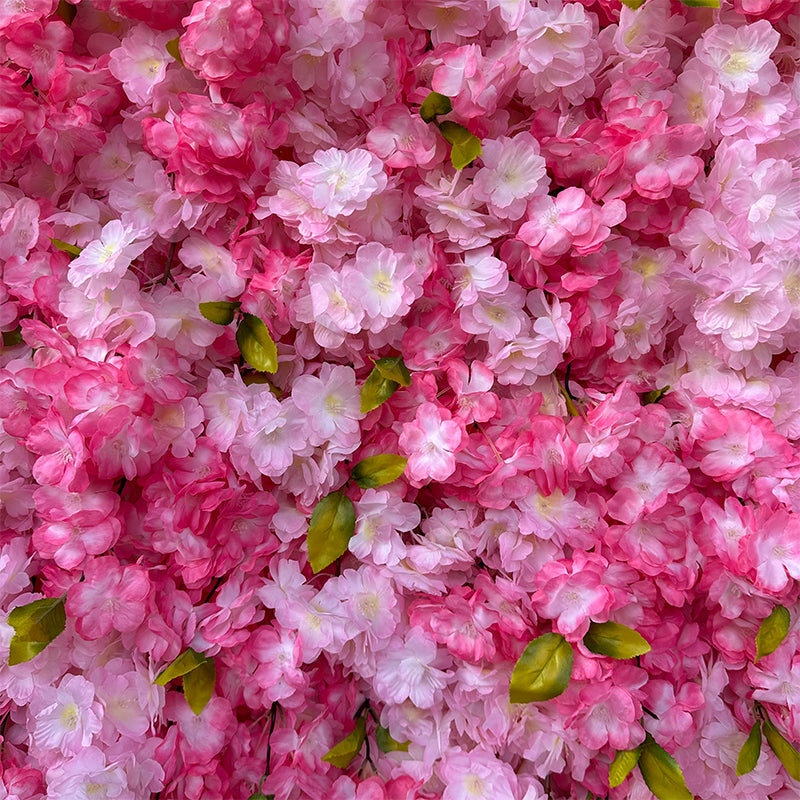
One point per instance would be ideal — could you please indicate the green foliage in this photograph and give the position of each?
(342, 754)
(394, 369)
(701, 3)
(661, 772)
(333, 523)
(187, 661)
(615, 640)
(434, 105)
(465, 147)
(624, 761)
(654, 396)
(173, 49)
(750, 752)
(376, 391)
(375, 471)
(73, 250)
(634, 4)
(772, 632)
(543, 670)
(787, 754)
(386, 743)
(199, 676)
(256, 345)
(198, 685)
(35, 625)
(220, 312)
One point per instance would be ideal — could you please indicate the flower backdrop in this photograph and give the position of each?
(399, 400)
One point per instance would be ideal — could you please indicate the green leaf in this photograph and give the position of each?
(615, 640)
(378, 470)
(333, 523)
(220, 311)
(72, 249)
(187, 661)
(465, 146)
(198, 685)
(701, 3)
(661, 772)
(543, 670)
(376, 390)
(35, 625)
(772, 632)
(343, 753)
(173, 49)
(786, 753)
(433, 105)
(256, 345)
(624, 761)
(12, 338)
(653, 397)
(386, 743)
(634, 4)
(751, 750)
(394, 369)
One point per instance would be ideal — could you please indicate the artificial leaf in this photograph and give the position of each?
(434, 105)
(465, 147)
(661, 772)
(634, 4)
(187, 661)
(772, 632)
(751, 750)
(343, 753)
(624, 761)
(701, 3)
(12, 338)
(543, 670)
(333, 523)
(198, 685)
(376, 390)
(35, 625)
(386, 743)
(256, 345)
(219, 311)
(378, 470)
(394, 369)
(172, 47)
(787, 754)
(653, 397)
(72, 249)
(615, 640)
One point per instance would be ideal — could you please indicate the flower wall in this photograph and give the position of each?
(399, 400)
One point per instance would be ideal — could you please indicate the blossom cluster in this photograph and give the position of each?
(600, 319)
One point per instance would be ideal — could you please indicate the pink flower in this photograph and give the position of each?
(111, 597)
(569, 220)
(646, 483)
(573, 594)
(476, 775)
(103, 262)
(61, 453)
(141, 63)
(513, 171)
(66, 717)
(430, 442)
(408, 669)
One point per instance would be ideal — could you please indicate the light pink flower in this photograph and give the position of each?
(430, 442)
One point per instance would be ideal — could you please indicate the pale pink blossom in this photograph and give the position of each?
(430, 442)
